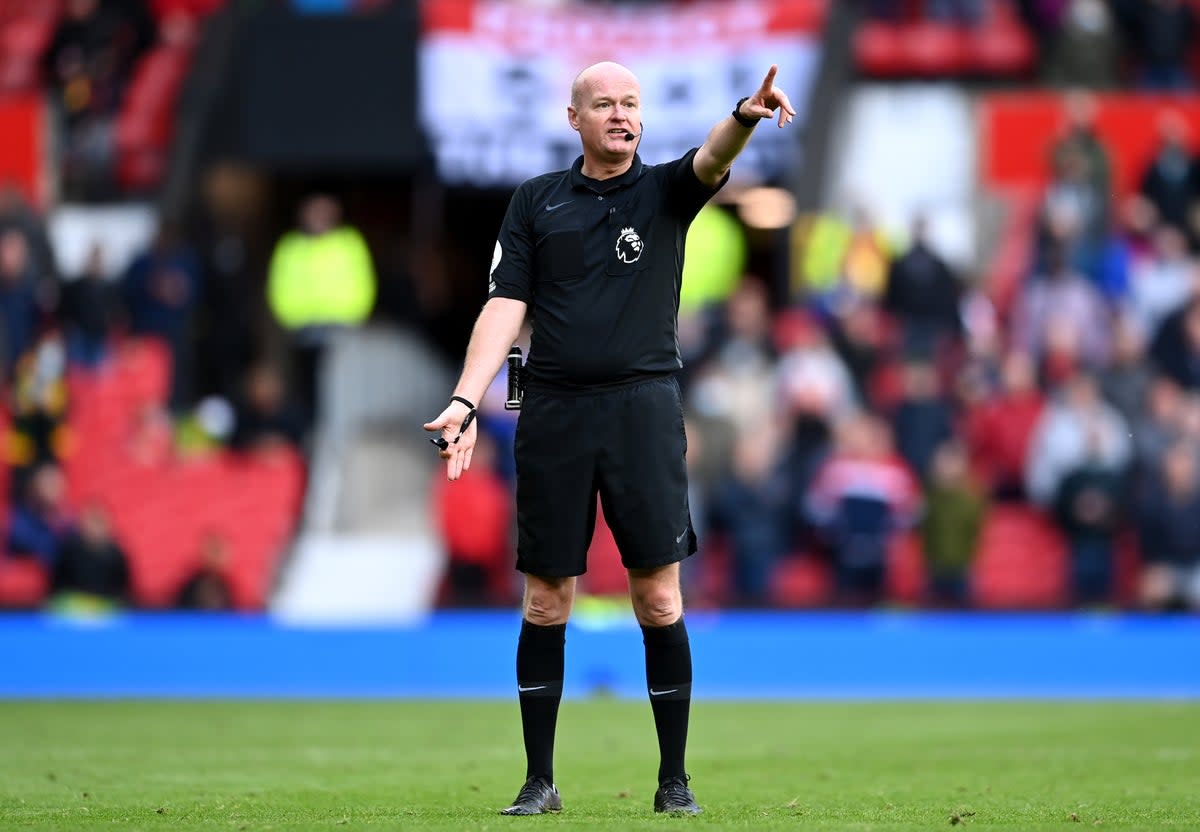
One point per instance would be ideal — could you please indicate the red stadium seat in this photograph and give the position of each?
(192, 8)
(800, 581)
(906, 569)
(935, 49)
(1002, 48)
(23, 583)
(878, 50)
(1022, 561)
(161, 510)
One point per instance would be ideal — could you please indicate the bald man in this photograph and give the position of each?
(595, 253)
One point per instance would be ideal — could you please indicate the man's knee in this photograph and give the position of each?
(548, 600)
(657, 601)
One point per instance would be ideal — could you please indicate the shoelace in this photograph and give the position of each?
(675, 789)
(531, 791)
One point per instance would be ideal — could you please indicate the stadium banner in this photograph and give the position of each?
(495, 79)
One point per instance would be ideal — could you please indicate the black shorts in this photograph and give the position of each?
(625, 444)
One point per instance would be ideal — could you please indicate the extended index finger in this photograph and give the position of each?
(770, 79)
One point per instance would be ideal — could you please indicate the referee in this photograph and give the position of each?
(595, 253)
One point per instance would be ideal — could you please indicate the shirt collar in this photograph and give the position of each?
(603, 186)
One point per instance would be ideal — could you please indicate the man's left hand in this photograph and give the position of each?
(768, 99)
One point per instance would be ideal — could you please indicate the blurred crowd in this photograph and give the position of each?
(888, 396)
(55, 328)
(87, 68)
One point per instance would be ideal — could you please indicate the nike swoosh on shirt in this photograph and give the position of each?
(654, 692)
(550, 207)
(678, 539)
(535, 687)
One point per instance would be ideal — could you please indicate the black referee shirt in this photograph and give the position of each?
(599, 262)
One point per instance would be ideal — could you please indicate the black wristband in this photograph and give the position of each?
(440, 441)
(747, 122)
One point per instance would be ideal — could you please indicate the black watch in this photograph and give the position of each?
(750, 122)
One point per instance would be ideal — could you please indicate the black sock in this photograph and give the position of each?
(669, 682)
(539, 686)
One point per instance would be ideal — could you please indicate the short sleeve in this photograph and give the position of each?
(688, 193)
(512, 260)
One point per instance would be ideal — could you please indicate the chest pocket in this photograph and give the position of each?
(560, 256)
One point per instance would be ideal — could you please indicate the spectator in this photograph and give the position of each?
(1088, 509)
(161, 289)
(1130, 244)
(1074, 224)
(1085, 50)
(811, 377)
(923, 293)
(91, 312)
(861, 496)
(1175, 348)
(1172, 179)
(1161, 33)
(861, 336)
(1077, 428)
(40, 520)
(1081, 165)
(1169, 531)
(1164, 281)
(321, 279)
(866, 258)
(753, 506)
(741, 355)
(807, 443)
(950, 528)
(16, 214)
(1125, 381)
(1061, 320)
(263, 417)
(1043, 17)
(998, 429)
(1159, 426)
(844, 260)
(208, 587)
(743, 337)
(20, 312)
(39, 433)
(232, 303)
(923, 420)
(90, 562)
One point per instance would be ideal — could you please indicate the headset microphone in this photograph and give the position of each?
(631, 136)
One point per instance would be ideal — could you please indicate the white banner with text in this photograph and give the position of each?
(495, 79)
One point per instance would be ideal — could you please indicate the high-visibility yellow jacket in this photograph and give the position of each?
(321, 280)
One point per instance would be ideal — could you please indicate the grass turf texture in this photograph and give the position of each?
(450, 766)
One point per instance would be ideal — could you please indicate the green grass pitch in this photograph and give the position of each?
(289, 765)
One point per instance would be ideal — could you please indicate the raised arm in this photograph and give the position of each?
(727, 138)
(496, 328)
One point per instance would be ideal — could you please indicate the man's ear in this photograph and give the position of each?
(572, 118)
